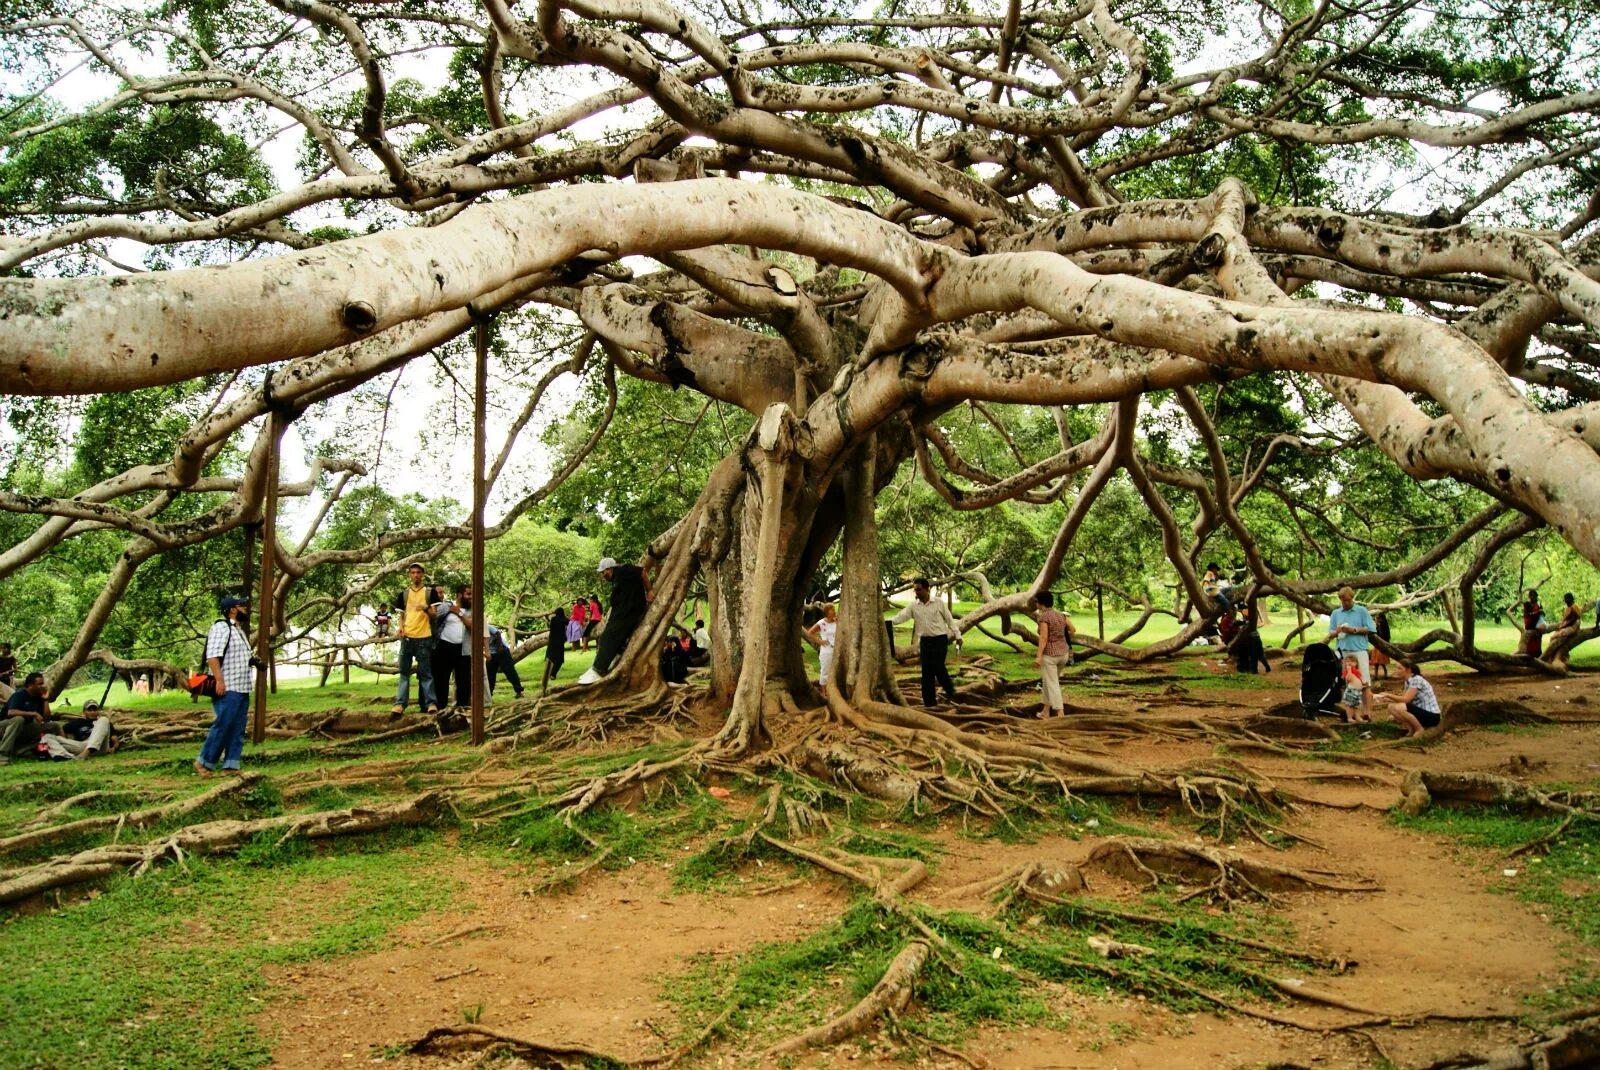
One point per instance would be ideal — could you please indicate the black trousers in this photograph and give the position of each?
(500, 662)
(614, 639)
(449, 661)
(932, 650)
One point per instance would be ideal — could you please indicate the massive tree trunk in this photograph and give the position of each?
(861, 666)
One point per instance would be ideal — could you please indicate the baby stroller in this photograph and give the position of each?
(1320, 683)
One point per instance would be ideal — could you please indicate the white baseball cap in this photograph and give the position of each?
(605, 563)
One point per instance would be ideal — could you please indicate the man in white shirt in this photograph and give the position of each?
(933, 630)
(700, 653)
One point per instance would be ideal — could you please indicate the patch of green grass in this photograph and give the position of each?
(1520, 729)
(549, 836)
(166, 970)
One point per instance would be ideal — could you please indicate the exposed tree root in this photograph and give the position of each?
(586, 796)
(866, 870)
(137, 819)
(58, 810)
(1540, 842)
(1220, 874)
(1468, 711)
(892, 993)
(214, 837)
(1041, 892)
(1422, 788)
(1576, 1045)
(538, 1052)
(1044, 879)
(543, 1053)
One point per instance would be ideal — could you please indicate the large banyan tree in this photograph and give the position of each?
(846, 223)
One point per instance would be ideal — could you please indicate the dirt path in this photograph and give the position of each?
(587, 967)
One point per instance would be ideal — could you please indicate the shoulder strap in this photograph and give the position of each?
(226, 643)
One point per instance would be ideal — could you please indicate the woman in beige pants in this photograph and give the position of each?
(1055, 650)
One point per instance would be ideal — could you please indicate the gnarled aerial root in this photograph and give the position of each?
(1568, 1048)
(1222, 875)
(891, 994)
(549, 1053)
(1051, 884)
(1423, 788)
(214, 837)
(137, 819)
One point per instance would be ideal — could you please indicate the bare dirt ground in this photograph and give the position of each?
(585, 966)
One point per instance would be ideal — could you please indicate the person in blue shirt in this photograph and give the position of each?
(1349, 627)
(27, 717)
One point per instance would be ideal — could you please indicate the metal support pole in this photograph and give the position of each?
(263, 606)
(480, 337)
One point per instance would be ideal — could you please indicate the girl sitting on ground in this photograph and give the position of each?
(1354, 685)
(1416, 708)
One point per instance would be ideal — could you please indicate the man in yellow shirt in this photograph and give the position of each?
(416, 644)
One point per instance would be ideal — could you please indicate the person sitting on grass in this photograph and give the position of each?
(27, 717)
(1353, 701)
(1416, 708)
(82, 737)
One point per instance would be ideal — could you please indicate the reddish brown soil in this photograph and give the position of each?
(585, 966)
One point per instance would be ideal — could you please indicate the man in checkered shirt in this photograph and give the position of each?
(228, 659)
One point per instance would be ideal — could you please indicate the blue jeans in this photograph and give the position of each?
(226, 738)
(416, 653)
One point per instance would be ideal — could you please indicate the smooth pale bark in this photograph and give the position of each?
(861, 667)
(62, 336)
(1548, 469)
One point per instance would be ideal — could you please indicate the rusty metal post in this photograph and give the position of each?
(480, 338)
(263, 607)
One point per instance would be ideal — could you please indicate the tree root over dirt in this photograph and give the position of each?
(543, 1053)
(138, 819)
(1042, 883)
(214, 837)
(1576, 1045)
(1220, 874)
(891, 994)
(1422, 789)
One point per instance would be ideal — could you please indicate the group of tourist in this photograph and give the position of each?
(27, 727)
(435, 633)
(932, 628)
(1535, 624)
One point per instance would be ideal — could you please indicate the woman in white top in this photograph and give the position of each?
(822, 634)
(1416, 708)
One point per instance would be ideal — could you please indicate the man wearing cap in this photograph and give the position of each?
(228, 659)
(630, 594)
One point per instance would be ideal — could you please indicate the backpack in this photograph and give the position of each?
(204, 685)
